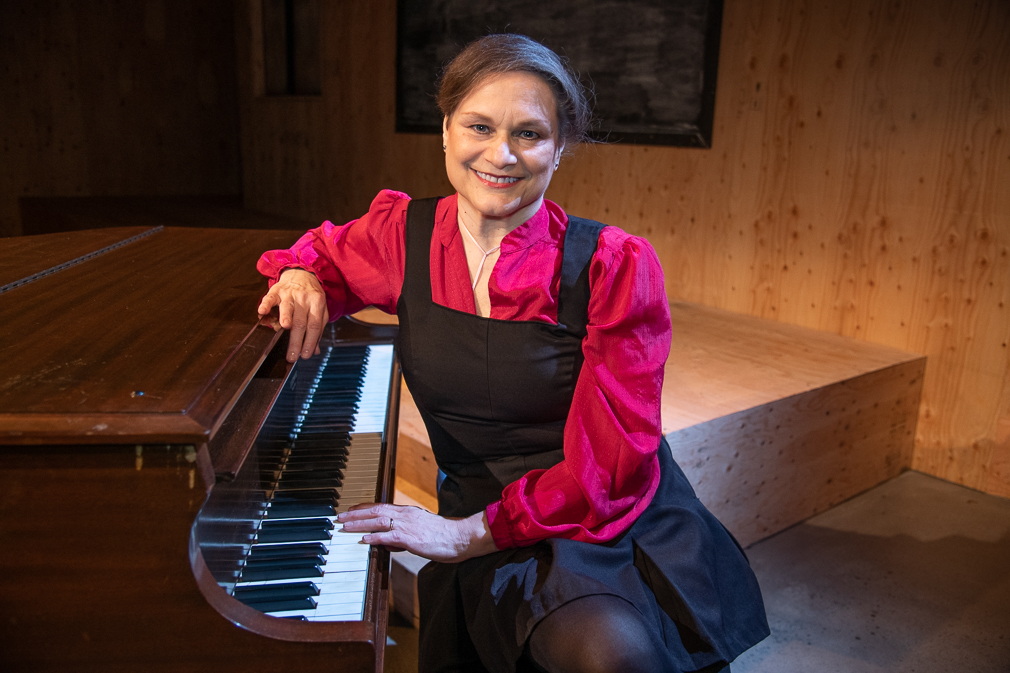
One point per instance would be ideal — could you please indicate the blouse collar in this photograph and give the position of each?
(526, 234)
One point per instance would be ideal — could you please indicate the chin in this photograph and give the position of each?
(498, 204)
(498, 210)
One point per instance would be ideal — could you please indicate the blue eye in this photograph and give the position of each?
(480, 128)
(529, 135)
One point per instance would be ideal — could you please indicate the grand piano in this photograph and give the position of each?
(168, 482)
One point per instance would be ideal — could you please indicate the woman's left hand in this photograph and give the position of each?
(420, 532)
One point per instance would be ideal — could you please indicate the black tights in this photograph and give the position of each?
(595, 634)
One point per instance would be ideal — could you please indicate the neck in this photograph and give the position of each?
(489, 231)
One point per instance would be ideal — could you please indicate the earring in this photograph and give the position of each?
(556, 165)
(443, 148)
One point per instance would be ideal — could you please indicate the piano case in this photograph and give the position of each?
(136, 479)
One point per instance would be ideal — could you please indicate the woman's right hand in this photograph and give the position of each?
(301, 303)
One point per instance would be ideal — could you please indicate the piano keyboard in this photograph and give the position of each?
(300, 564)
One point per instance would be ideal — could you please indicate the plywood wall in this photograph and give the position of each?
(859, 183)
(325, 157)
(111, 98)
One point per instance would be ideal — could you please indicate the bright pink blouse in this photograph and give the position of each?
(610, 471)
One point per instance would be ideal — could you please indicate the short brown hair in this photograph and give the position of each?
(498, 54)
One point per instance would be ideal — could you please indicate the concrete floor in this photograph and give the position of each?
(912, 576)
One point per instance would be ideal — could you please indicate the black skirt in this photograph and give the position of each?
(677, 565)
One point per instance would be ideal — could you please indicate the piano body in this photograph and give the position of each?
(167, 481)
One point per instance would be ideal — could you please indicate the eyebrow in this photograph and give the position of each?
(474, 116)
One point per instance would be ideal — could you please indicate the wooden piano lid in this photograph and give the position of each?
(150, 340)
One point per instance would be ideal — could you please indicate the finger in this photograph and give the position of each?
(376, 524)
(269, 300)
(297, 331)
(285, 309)
(313, 330)
(393, 538)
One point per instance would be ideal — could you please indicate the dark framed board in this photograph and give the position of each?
(651, 63)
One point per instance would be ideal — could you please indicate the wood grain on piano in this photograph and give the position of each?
(156, 338)
(101, 485)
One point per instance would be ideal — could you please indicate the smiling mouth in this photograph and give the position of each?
(495, 180)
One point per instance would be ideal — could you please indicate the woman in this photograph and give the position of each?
(567, 538)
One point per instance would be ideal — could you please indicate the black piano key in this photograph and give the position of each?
(283, 606)
(318, 467)
(309, 448)
(315, 464)
(289, 510)
(300, 533)
(295, 530)
(318, 474)
(335, 428)
(270, 564)
(279, 564)
(276, 592)
(310, 500)
(307, 550)
(318, 446)
(331, 495)
(322, 523)
(297, 535)
(281, 574)
(308, 482)
(325, 410)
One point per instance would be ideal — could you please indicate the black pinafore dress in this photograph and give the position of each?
(495, 395)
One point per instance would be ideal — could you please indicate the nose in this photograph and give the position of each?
(500, 153)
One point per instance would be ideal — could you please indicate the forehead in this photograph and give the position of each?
(515, 91)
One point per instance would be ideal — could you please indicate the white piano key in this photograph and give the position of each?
(375, 386)
(345, 572)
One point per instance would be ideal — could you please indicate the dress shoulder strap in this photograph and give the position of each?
(417, 243)
(581, 238)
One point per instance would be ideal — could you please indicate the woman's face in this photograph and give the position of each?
(502, 146)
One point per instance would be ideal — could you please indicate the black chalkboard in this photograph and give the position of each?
(651, 63)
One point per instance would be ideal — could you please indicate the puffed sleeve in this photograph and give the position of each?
(359, 264)
(610, 471)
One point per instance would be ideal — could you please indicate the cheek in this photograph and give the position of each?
(542, 161)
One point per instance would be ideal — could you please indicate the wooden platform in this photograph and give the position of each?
(771, 422)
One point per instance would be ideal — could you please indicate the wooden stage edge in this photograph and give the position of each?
(771, 422)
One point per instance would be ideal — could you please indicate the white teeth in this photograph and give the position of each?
(497, 180)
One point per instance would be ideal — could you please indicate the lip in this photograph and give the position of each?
(496, 185)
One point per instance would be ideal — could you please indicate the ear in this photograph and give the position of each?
(445, 131)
